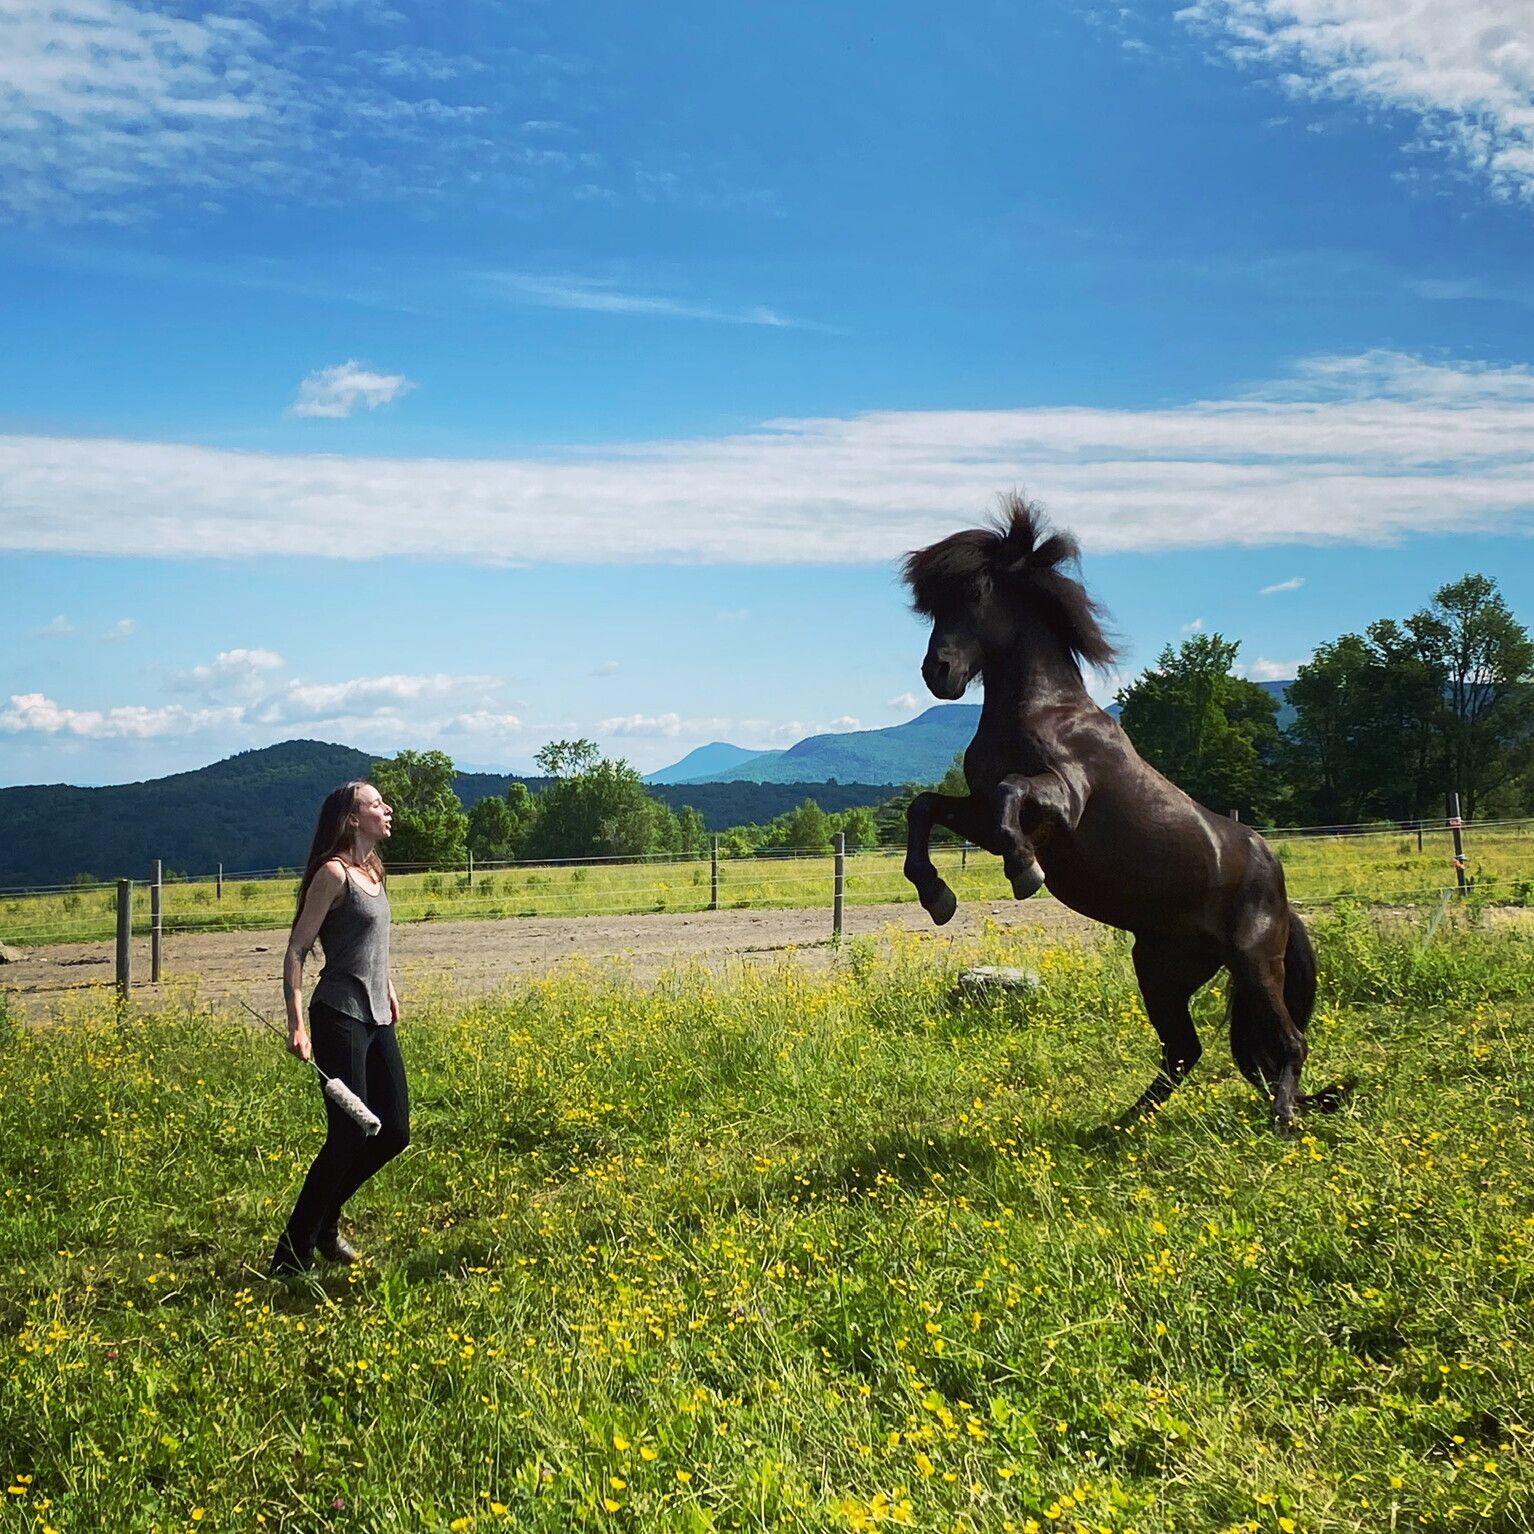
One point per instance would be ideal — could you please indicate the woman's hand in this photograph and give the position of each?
(298, 1042)
(393, 1004)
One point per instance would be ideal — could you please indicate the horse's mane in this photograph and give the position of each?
(1018, 556)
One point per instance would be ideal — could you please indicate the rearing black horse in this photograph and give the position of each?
(1059, 793)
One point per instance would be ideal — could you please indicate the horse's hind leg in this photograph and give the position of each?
(1169, 973)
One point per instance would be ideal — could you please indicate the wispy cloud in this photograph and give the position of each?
(607, 668)
(1292, 584)
(115, 109)
(604, 297)
(54, 628)
(1358, 449)
(1463, 68)
(1195, 627)
(124, 628)
(908, 702)
(337, 391)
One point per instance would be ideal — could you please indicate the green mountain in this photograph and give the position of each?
(918, 751)
(254, 810)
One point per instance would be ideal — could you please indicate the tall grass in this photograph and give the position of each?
(789, 1250)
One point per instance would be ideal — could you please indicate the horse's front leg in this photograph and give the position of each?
(965, 816)
(1029, 807)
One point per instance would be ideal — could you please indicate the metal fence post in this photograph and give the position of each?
(156, 918)
(1455, 825)
(713, 876)
(124, 937)
(219, 877)
(471, 868)
(840, 884)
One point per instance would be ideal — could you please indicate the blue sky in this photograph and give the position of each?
(469, 375)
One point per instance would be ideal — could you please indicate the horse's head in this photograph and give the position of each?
(990, 590)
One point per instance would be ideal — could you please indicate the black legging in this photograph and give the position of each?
(366, 1057)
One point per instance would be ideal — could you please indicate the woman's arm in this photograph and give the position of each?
(393, 1004)
(328, 882)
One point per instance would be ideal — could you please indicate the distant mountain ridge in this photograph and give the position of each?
(708, 764)
(917, 751)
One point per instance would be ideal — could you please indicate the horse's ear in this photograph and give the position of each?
(1057, 549)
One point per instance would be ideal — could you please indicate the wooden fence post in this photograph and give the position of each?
(156, 918)
(1455, 830)
(713, 875)
(839, 888)
(219, 877)
(124, 937)
(471, 868)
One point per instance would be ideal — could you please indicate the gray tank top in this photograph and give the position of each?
(355, 937)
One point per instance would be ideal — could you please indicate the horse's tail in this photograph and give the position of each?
(1299, 973)
(1251, 1028)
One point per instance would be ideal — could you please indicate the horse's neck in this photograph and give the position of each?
(1037, 672)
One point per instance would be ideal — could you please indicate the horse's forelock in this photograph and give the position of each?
(957, 569)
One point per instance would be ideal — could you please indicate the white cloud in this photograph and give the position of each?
(337, 391)
(54, 628)
(1195, 627)
(124, 628)
(248, 704)
(34, 711)
(483, 722)
(239, 670)
(1364, 449)
(1264, 670)
(1292, 584)
(1463, 68)
(564, 292)
(607, 668)
(667, 725)
(907, 702)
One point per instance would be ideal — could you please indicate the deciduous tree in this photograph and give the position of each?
(429, 823)
(1212, 733)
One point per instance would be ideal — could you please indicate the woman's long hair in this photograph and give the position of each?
(333, 833)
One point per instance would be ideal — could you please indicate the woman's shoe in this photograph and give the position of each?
(336, 1248)
(287, 1260)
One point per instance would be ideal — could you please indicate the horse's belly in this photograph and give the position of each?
(1121, 898)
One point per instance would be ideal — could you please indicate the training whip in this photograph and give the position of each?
(335, 1089)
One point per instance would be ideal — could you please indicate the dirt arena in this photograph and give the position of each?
(469, 957)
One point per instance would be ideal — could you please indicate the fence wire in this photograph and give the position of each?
(1322, 865)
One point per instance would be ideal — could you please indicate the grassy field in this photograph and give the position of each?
(790, 1250)
(1382, 868)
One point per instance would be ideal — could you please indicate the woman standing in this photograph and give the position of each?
(342, 902)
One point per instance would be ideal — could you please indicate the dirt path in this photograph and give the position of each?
(474, 956)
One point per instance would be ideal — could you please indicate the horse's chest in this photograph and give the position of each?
(988, 761)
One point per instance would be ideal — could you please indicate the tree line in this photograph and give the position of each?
(1385, 723)
(592, 806)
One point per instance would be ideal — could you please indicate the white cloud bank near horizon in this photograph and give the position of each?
(1463, 68)
(1358, 449)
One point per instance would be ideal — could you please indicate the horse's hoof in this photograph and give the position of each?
(942, 906)
(1029, 882)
